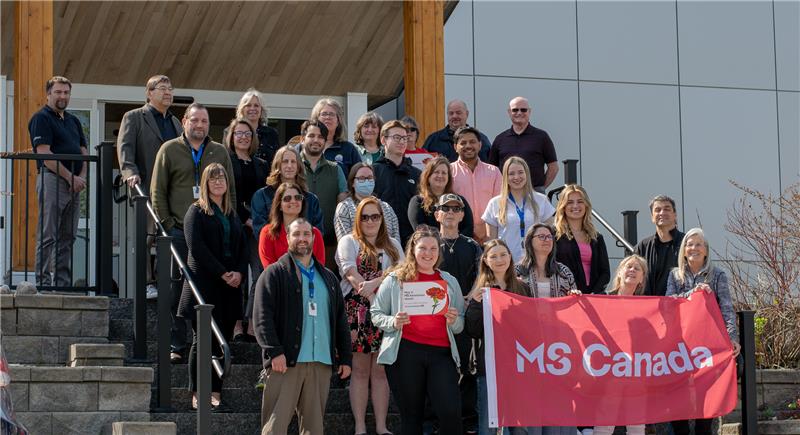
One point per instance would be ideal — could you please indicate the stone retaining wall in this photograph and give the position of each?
(38, 329)
(79, 400)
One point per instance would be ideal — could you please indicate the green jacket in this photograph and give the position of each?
(174, 177)
(387, 304)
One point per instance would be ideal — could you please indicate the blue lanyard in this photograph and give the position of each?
(520, 213)
(309, 274)
(196, 156)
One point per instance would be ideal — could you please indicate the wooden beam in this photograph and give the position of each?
(423, 46)
(33, 66)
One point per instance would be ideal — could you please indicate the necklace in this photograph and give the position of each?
(450, 245)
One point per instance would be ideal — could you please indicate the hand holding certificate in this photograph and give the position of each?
(424, 298)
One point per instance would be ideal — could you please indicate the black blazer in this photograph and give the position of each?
(243, 199)
(278, 313)
(206, 263)
(567, 253)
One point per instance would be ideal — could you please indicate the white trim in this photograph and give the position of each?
(356, 106)
(6, 101)
(488, 356)
(281, 106)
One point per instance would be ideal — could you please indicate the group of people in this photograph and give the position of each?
(305, 248)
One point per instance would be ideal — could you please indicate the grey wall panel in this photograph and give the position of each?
(728, 134)
(554, 103)
(459, 87)
(726, 43)
(787, 44)
(525, 39)
(789, 134)
(458, 40)
(628, 41)
(630, 149)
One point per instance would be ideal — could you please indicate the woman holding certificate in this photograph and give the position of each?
(419, 308)
(362, 258)
(496, 270)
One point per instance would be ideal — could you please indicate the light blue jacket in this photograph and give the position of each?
(386, 305)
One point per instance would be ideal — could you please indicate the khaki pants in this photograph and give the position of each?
(304, 389)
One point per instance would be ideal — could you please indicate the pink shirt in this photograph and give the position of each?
(478, 188)
(586, 260)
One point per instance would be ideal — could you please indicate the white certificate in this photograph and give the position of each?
(424, 298)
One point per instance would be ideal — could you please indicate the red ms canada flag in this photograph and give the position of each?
(606, 360)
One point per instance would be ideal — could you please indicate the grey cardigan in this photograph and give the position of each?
(387, 304)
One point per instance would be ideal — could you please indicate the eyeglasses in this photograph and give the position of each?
(288, 198)
(398, 138)
(544, 237)
(453, 208)
(367, 178)
(243, 134)
(371, 217)
(413, 130)
(520, 109)
(219, 180)
(327, 115)
(164, 88)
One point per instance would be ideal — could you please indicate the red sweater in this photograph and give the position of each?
(271, 249)
(427, 329)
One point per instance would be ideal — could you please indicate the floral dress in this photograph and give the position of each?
(365, 336)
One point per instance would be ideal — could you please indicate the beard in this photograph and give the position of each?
(300, 250)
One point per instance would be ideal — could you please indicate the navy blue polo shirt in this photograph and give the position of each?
(165, 125)
(344, 154)
(65, 136)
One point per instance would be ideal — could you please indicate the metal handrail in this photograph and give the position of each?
(599, 219)
(221, 368)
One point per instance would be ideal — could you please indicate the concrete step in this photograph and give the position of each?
(82, 354)
(143, 428)
(249, 423)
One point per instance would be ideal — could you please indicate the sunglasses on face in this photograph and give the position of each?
(453, 208)
(520, 109)
(288, 198)
(371, 217)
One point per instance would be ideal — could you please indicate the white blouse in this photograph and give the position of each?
(347, 254)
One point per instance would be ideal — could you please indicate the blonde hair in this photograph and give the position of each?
(505, 190)
(340, 134)
(561, 224)
(680, 271)
(429, 198)
(249, 95)
(204, 202)
(407, 269)
(617, 286)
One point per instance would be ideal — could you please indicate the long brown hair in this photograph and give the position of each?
(382, 240)
(486, 277)
(429, 198)
(274, 178)
(561, 224)
(204, 202)
(407, 269)
(229, 138)
(276, 213)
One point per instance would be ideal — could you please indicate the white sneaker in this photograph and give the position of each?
(152, 292)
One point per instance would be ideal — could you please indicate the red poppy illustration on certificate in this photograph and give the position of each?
(424, 298)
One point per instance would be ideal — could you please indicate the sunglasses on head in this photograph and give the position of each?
(287, 198)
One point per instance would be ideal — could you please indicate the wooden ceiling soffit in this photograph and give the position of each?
(278, 47)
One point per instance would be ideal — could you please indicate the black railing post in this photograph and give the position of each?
(747, 340)
(570, 171)
(629, 228)
(164, 260)
(141, 255)
(204, 368)
(104, 236)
